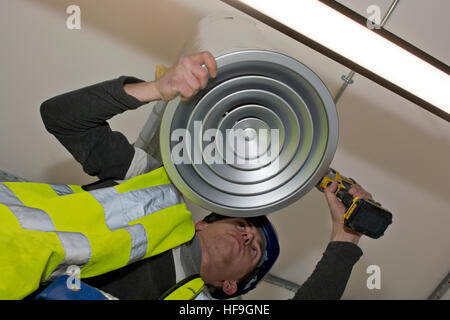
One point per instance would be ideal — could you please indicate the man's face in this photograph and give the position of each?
(231, 249)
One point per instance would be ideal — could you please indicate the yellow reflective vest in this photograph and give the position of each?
(46, 228)
(187, 289)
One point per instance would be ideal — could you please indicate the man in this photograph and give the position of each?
(231, 255)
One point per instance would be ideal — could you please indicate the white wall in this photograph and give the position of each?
(398, 151)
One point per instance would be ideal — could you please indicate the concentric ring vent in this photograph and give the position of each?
(256, 139)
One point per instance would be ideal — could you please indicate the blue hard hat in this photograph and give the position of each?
(270, 255)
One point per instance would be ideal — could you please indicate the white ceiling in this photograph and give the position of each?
(397, 150)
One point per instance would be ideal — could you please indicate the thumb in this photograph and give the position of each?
(331, 188)
(333, 202)
(329, 192)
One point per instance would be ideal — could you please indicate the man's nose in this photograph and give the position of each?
(248, 237)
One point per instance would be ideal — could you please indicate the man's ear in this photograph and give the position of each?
(200, 225)
(229, 287)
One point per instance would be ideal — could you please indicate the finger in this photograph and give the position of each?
(185, 90)
(330, 196)
(358, 191)
(329, 192)
(334, 203)
(331, 188)
(211, 64)
(202, 75)
(363, 195)
(208, 60)
(354, 189)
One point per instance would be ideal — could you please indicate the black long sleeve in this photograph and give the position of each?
(330, 277)
(78, 119)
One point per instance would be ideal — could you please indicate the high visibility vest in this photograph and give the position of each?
(46, 228)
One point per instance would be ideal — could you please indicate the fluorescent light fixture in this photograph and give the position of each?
(330, 28)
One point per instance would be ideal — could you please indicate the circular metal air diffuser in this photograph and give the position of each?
(260, 136)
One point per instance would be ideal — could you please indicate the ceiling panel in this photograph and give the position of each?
(424, 24)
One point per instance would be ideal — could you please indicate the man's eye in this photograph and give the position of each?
(255, 252)
(241, 225)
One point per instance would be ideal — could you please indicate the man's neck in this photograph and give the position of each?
(191, 256)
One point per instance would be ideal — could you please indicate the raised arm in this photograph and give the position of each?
(78, 119)
(330, 277)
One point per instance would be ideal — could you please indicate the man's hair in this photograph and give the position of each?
(271, 252)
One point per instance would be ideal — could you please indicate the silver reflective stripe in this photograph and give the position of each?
(142, 202)
(61, 189)
(119, 209)
(109, 199)
(128, 206)
(77, 252)
(138, 242)
(77, 249)
(28, 217)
